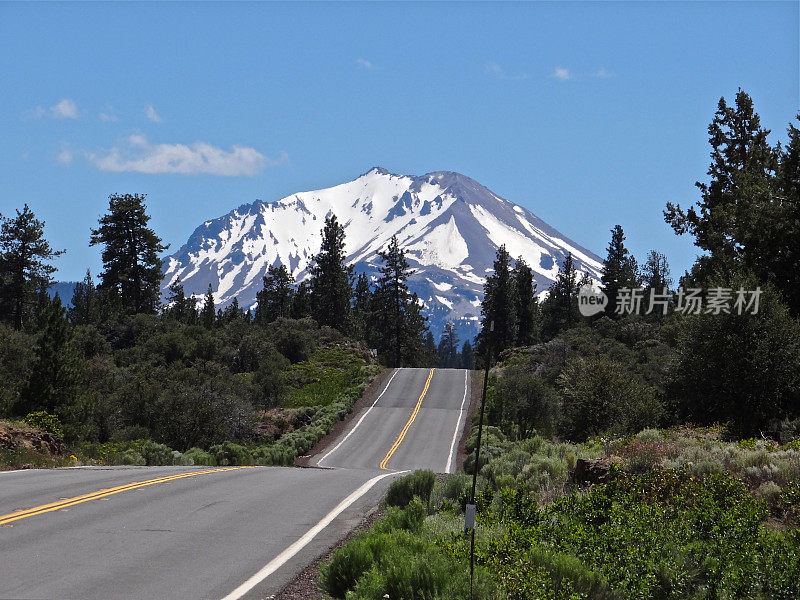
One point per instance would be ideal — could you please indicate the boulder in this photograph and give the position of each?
(591, 471)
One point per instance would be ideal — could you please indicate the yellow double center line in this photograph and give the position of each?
(67, 502)
(413, 416)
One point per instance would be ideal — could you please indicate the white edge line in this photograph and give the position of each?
(458, 425)
(349, 433)
(284, 556)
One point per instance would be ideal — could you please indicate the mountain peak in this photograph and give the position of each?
(378, 171)
(448, 224)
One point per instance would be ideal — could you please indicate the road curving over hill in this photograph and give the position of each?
(212, 533)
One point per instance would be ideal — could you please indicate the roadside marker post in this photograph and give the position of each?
(469, 519)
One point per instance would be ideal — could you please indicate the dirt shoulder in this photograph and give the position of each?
(476, 388)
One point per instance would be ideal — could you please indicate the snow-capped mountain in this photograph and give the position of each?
(449, 225)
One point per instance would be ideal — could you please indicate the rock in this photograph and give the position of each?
(589, 471)
(16, 437)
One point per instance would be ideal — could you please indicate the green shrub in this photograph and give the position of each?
(415, 576)
(179, 459)
(228, 453)
(402, 491)
(454, 490)
(568, 571)
(45, 421)
(130, 457)
(346, 566)
(409, 518)
(274, 454)
(198, 456)
(793, 445)
(155, 454)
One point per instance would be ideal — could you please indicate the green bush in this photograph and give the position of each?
(198, 456)
(410, 518)
(130, 457)
(274, 454)
(45, 421)
(569, 572)
(452, 492)
(228, 453)
(402, 491)
(602, 395)
(345, 567)
(156, 454)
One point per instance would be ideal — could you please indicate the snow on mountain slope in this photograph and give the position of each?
(449, 225)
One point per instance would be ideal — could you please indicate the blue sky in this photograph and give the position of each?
(588, 114)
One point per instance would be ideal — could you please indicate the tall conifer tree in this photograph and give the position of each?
(275, 299)
(331, 279)
(499, 306)
(131, 266)
(25, 267)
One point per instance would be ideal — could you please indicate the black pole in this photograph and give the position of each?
(478, 456)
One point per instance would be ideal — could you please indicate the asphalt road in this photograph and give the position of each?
(212, 533)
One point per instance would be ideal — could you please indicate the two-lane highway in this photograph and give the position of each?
(213, 533)
(422, 409)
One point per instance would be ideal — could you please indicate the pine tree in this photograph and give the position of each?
(430, 351)
(499, 306)
(55, 374)
(362, 301)
(24, 265)
(526, 306)
(414, 332)
(179, 307)
(331, 279)
(275, 299)
(131, 266)
(447, 351)
(301, 303)
(561, 308)
(467, 358)
(655, 272)
(732, 219)
(232, 313)
(399, 324)
(208, 316)
(785, 232)
(619, 269)
(84, 308)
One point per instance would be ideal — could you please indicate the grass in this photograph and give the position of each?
(327, 374)
(30, 459)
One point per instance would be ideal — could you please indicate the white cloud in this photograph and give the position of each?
(139, 155)
(493, 69)
(602, 73)
(66, 109)
(364, 63)
(107, 117)
(152, 114)
(65, 157)
(562, 74)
